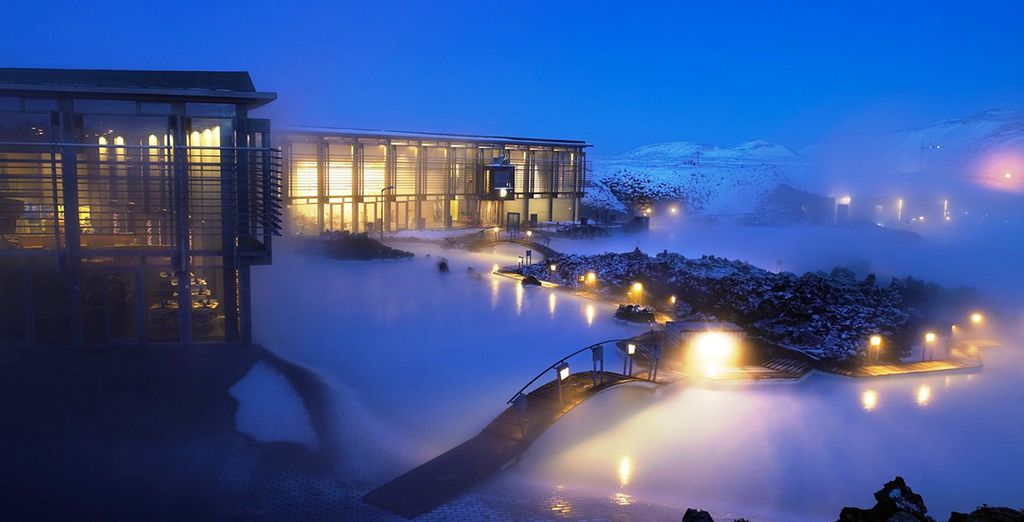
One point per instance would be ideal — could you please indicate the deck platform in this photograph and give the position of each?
(882, 370)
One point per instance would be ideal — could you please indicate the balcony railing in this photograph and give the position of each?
(124, 198)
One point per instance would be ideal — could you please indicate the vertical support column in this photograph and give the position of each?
(358, 197)
(390, 175)
(421, 183)
(449, 186)
(579, 181)
(321, 184)
(527, 187)
(180, 215)
(72, 233)
(235, 188)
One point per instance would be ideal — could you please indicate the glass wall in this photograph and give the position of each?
(401, 183)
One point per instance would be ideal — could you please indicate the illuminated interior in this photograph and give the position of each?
(360, 183)
(713, 352)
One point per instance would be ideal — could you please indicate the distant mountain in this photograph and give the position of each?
(977, 155)
(719, 179)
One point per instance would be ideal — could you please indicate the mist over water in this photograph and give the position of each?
(419, 361)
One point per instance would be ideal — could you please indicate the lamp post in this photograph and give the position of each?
(597, 354)
(929, 344)
(387, 188)
(562, 373)
(627, 363)
(875, 343)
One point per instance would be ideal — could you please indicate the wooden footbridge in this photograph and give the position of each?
(487, 238)
(530, 413)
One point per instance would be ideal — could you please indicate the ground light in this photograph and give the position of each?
(713, 351)
(562, 370)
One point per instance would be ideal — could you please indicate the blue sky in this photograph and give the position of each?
(616, 75)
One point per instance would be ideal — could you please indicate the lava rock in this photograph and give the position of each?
(697, 515)
(895, 502)
(989, 514)
(530, 281)
(345, 245)
(635, 313)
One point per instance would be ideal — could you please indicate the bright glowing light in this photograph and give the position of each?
(625, 471)
(563, 372)
(899, 209)
(876, 341)
(647, 211)
(502, 192)
(672, 299)
(1008, 175)
(929, 337)
(920, 218)
(869, 400)
(496, 229)
(553, 268)
(623, 499)
(588, 312)
(711, 352)
(631, 348)
(529, 233)
(638, 287)
(673, 210)
(551, 303)
(591, 277)
(977, 318)
(924, 394)
(845, 200)
(495, 268)
(519, 300)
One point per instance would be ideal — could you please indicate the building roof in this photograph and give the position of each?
(203, 85)
(434, 136)
(702, 326)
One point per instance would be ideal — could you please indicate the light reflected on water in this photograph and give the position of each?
(519, 300)
(551, 304)
(495, 284)
(588, 311)
(924, 394)
(869, 400)
(625, 471)
(622, 499)
(560, 506)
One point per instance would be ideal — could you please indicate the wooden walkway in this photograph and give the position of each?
(882, 370)
(432, 484)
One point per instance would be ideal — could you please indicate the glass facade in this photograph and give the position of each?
(131, 220)
(365, 183)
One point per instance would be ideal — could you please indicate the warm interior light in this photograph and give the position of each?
(977, 318)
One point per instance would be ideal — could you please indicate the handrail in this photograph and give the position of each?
(560, 361)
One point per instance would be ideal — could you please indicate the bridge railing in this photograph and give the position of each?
(598, 360)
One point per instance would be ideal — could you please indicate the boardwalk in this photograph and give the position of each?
(882, 370)
(432, 484)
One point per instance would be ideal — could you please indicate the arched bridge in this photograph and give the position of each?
(530, 412)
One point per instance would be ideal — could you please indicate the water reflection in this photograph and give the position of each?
(622, 499)
(495, 284)
(924, 394)
(519, 300)
(589, 312)
(869, 399)
(551, 304)
(625, 471)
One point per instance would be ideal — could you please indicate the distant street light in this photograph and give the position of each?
(876, 344)
(977, 318)
(929, 344)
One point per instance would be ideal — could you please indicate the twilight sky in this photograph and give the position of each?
(619, 77)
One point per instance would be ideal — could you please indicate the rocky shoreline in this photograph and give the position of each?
(827, 316)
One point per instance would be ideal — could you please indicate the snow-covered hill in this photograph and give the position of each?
(978, 154)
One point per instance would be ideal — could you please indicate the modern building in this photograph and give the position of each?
(132, 205)
(363, 181)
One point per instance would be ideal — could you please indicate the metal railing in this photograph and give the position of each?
(135, 196)
(597, 349)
